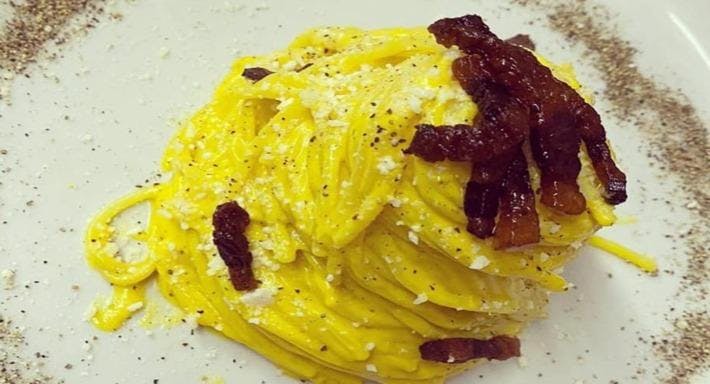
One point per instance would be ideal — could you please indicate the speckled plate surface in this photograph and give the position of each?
(86, 128)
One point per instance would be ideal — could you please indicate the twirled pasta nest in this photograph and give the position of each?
(361, 252)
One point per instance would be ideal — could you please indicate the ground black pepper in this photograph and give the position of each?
(678, 140)
(36, 29)
(15, 368)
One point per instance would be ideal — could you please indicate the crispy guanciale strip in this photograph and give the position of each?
(230, 221)
(527, 80)
(468, 32)
(594, 137)
(518, 223)
(481, 207)
(500, 126)
(555, 142)
(482, 194)
(460, 350)
(493, 170)
(255, 73)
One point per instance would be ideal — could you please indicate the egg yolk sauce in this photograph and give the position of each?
(361, 251)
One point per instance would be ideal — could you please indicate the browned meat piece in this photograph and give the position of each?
(483, 192)
(460, 350)
(481, 207)
(551, 103)
(519, 99)
(518, 223)
(230, 221)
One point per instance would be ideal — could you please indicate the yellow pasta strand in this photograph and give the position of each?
(124, 302)
(97, 242)
(644, 262)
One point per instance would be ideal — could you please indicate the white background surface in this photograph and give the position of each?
(100, 117)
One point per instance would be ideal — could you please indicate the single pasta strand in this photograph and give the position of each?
(646, 263)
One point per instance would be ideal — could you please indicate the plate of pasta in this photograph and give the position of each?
(330, 192)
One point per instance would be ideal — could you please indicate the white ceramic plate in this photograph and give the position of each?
(91, 125)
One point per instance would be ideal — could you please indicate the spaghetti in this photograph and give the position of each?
(361, 252)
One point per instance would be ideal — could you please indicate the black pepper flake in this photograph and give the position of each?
(304, 67)
(32, 24)
(256, 73)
